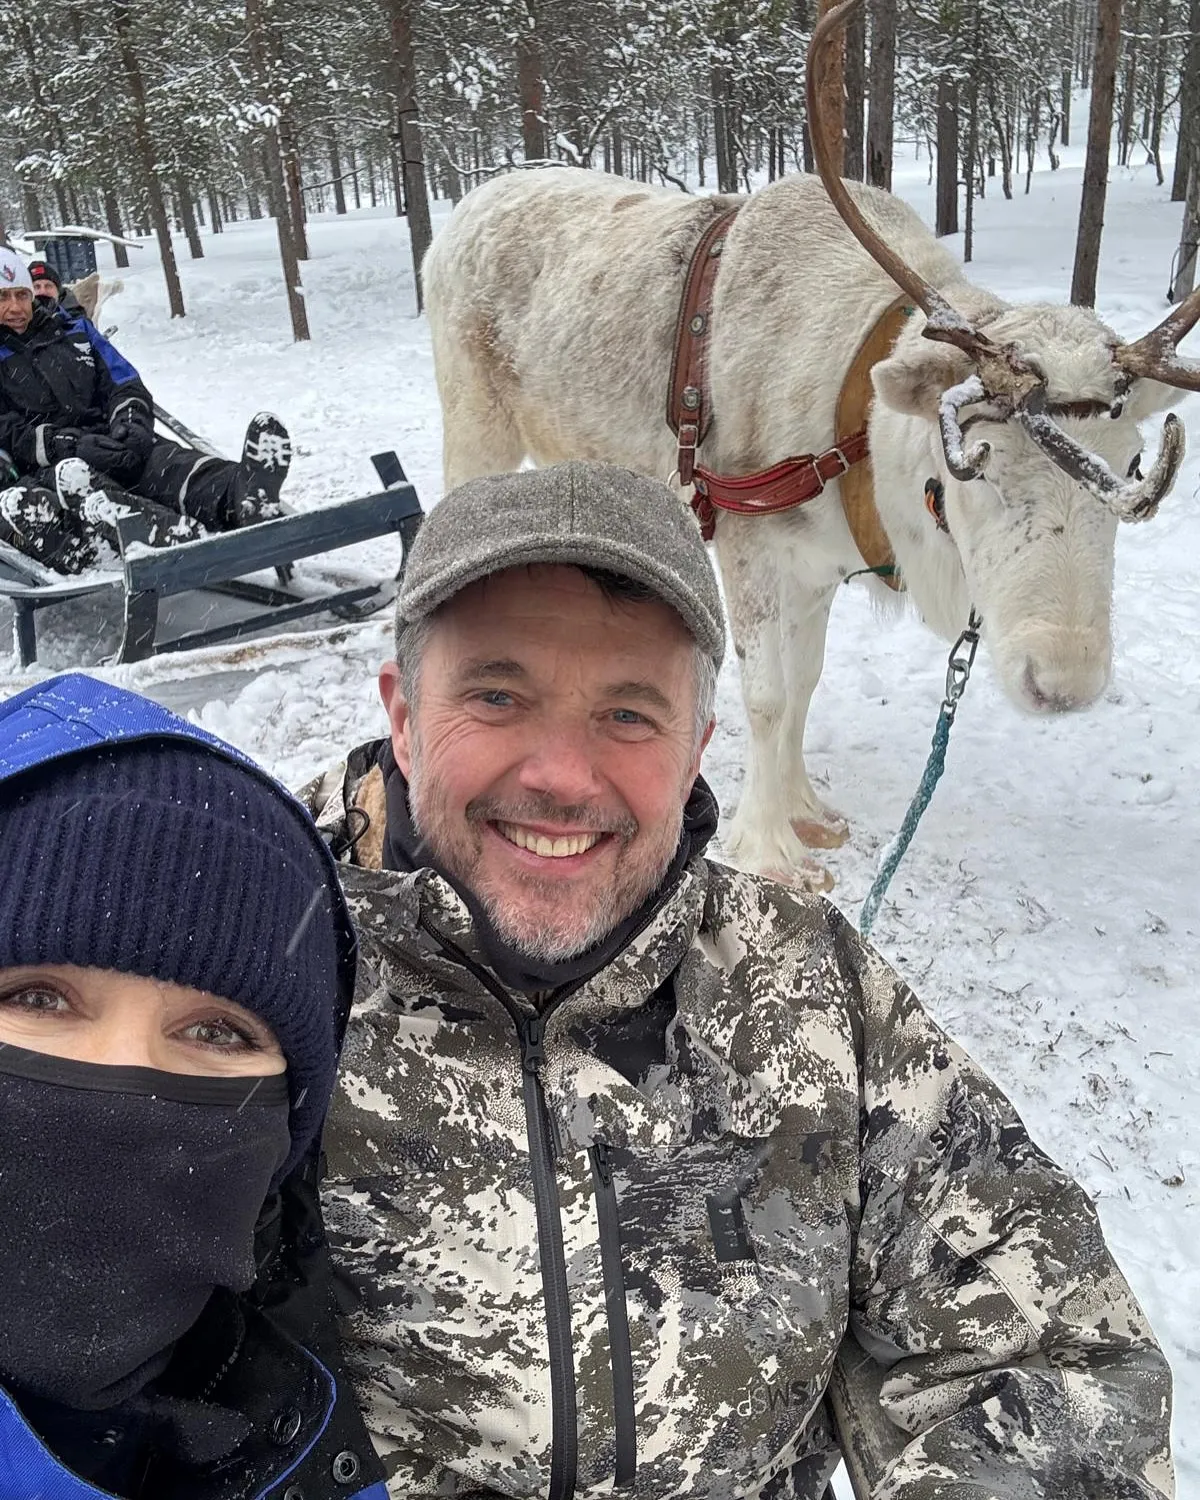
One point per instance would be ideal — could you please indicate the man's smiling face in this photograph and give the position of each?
(550, 751)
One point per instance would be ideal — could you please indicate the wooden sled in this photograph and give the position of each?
(220, 564)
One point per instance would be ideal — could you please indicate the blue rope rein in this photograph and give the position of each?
(958, 671)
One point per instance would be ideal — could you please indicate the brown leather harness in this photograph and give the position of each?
(796, 480)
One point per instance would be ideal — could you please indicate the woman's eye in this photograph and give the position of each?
(223, 1034)
(36, 998)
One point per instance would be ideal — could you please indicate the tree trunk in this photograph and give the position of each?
(856, 84)
(947, 157)
(1069, 27)
(618, 149)
(1005, 148)
(112, 217)
(214, 210)
(31, 209)
(1185, 261)
(1032, 125)
(727, 180)
(1189, 105)
(1095, 171)
(972, 151)
(1129, 81)
(412, 150)
(881, 110)
(151, 183)
(335, 171)
(183, 204)
(294, 200)
(1159, 96)
(702, 142)
(354, 179)
(263, 52)
(531, 89)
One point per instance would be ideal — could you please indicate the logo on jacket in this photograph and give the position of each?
(84, 351)
(762, 1400)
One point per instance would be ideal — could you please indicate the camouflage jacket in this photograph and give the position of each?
(568, 1274)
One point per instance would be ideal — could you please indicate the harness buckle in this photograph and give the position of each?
(685, 453)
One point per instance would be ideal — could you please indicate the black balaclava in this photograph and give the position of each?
(127, 1196)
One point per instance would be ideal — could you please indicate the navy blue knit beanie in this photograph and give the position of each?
(147, 846)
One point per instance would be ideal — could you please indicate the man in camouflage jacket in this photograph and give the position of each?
(603, 1218)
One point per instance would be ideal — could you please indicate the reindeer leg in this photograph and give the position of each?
(760, 836)
(804, 620)
(480, 433)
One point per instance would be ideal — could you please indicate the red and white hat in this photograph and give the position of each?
(14, 271)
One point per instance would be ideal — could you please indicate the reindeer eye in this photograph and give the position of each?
(1134, 471)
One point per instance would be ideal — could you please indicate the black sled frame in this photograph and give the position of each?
(220, 564)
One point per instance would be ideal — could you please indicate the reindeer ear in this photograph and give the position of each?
(913, 381)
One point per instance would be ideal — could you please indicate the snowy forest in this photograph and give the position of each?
(147, 118)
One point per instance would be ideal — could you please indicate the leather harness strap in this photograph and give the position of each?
(794, 480)
(854, 405)
(781, 487)
(688, 413)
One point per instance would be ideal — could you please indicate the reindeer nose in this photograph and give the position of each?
(1046, 691)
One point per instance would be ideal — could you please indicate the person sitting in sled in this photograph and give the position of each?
(176, 967)
(75, 418)
(48, 289)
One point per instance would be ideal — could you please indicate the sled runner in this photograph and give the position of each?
(221, 564)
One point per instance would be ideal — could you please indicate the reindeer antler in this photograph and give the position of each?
(1010, 383)
(1008, 379)
(1154, 355)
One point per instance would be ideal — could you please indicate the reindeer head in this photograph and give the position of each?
(1035, 411)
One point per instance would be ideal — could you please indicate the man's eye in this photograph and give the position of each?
(629, 716)
(36, 998)
(496, 698)
(222, 1034)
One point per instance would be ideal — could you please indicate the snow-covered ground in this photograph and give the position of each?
(1047, 912)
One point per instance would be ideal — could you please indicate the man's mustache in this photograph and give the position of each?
(576, 816)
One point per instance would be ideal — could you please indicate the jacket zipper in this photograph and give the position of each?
(564, 1442)
(564, 1414)
(619, 1345)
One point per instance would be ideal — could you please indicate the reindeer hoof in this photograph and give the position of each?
(824, 833)
(809, 876)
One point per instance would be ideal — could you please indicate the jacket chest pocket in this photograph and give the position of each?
(735, 1267)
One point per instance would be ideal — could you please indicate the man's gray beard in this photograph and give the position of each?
(617, 907)
(542, 946)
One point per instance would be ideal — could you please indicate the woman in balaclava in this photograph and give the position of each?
(176, 962)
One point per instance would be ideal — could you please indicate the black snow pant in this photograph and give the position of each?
(183, 480)
(191, 483)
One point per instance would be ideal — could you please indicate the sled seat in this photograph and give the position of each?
(219, 564)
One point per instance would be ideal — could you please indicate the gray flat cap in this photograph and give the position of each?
(582, 514)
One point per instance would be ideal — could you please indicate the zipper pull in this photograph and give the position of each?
(533, 1035)
(603, 1154)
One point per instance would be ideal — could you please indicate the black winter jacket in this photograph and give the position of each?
(252, 1407)
(60, 373)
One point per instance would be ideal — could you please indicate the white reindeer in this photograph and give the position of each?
(553, 297)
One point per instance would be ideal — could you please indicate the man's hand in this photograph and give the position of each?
(42, 445)
(132, 425)
(123, 462)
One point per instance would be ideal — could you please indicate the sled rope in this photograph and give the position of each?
(958, 671)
